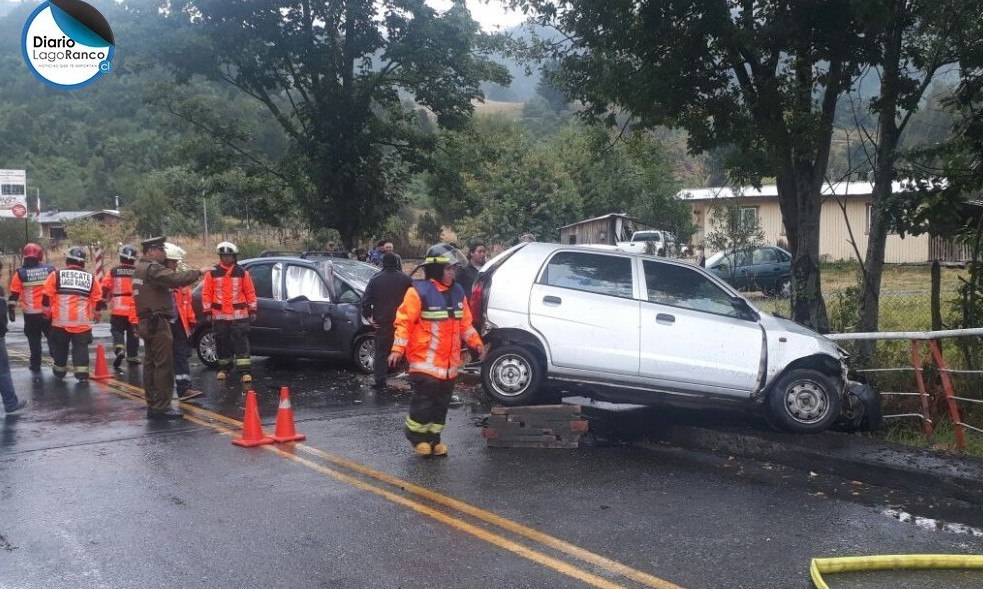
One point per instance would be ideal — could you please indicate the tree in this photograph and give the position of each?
(762, 76)
(915, 42)
(333, 74)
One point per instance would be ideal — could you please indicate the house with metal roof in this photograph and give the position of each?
(52, 223)
(844, 222)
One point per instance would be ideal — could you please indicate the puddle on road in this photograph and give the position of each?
(933, 525)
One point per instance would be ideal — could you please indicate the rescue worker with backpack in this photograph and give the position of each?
(27, 288)
(72, 296)
(229, 299)
(117, 290)
(431, 324)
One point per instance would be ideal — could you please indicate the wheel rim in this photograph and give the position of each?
(784, 289)
(806, 402)
(510, 375)
(366, 353)
(207, 349)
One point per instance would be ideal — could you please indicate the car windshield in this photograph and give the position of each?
(646, 236)
(358, 273)
(714, 259)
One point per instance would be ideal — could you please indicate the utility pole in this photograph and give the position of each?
(117, 201)
(204, 207)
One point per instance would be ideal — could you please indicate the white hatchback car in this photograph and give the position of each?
(633, 328)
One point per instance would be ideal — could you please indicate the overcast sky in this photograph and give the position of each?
(489, 13)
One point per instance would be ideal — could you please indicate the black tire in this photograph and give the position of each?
(205, 348)
(363, 353)
(512, 375)
(783, 288)
(804, 401)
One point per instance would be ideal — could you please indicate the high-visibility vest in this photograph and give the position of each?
(430, 324)
(27, 286)
(185, 311)
(117, 288)
(228, 293)
(72, 294)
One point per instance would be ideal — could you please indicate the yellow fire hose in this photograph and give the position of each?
(851, 564)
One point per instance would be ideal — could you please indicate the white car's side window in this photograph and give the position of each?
(598, 273)
(668, 284)
(278, 282)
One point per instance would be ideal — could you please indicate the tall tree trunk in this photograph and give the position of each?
(885, 155)
(796, 191)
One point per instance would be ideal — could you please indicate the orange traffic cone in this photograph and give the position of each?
(252, 428)
(102, 371)
(285, 431)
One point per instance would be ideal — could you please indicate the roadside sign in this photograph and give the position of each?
(13, 189)
(18, 210)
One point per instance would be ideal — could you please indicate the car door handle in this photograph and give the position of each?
(665, 318)
(551, 300)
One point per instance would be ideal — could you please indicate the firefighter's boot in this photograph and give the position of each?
(440, 449)
(118, 361)
(423, 449)
(222, 375)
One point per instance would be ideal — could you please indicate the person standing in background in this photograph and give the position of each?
(229, 298)
(467, 274)
(11, 404)
(27, 287)
(382, 296)
(182, 322)
(72, 296)
(117, 290)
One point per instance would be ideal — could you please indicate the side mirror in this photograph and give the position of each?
(744, 310)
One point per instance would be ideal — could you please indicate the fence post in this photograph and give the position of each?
(916, 363)
(935, 303)
(957, 421)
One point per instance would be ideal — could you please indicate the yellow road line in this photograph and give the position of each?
(199, 416)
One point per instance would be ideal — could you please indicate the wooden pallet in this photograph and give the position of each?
(535, 426)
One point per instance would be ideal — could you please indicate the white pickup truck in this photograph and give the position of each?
(655, 242)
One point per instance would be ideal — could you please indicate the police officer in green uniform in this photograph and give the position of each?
(152, 284)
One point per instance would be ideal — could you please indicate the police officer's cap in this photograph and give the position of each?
(153, 242)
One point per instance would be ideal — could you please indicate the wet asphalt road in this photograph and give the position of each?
(92, 495)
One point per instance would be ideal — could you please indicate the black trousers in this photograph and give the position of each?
(428, 407)
(59, 342)
(182, 354)
(232, 339)
(383, 345)
(124, 336)
(35, 326)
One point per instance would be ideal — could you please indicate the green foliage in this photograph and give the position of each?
(428, 228)
(91, 232)
(15, 233)
(331, 74)
(249, 247)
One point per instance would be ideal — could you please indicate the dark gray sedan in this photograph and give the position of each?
(766, 268)
(307, 308)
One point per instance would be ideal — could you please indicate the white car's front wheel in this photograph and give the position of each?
(805, 401)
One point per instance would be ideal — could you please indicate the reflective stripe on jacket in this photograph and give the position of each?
(27, 286)
(117, 289)
(228, 294)
(431, 324)
(73, 295)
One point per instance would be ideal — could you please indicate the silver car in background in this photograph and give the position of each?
(634, 328)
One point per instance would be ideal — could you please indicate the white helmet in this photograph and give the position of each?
(227, 248)
(173, 252)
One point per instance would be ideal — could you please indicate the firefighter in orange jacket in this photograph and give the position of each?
(117, 290)
(27, 287)
(431, 323)
(72, 295)
(182, 323)
(229, 298)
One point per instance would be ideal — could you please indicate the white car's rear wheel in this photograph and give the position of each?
(512, 375)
